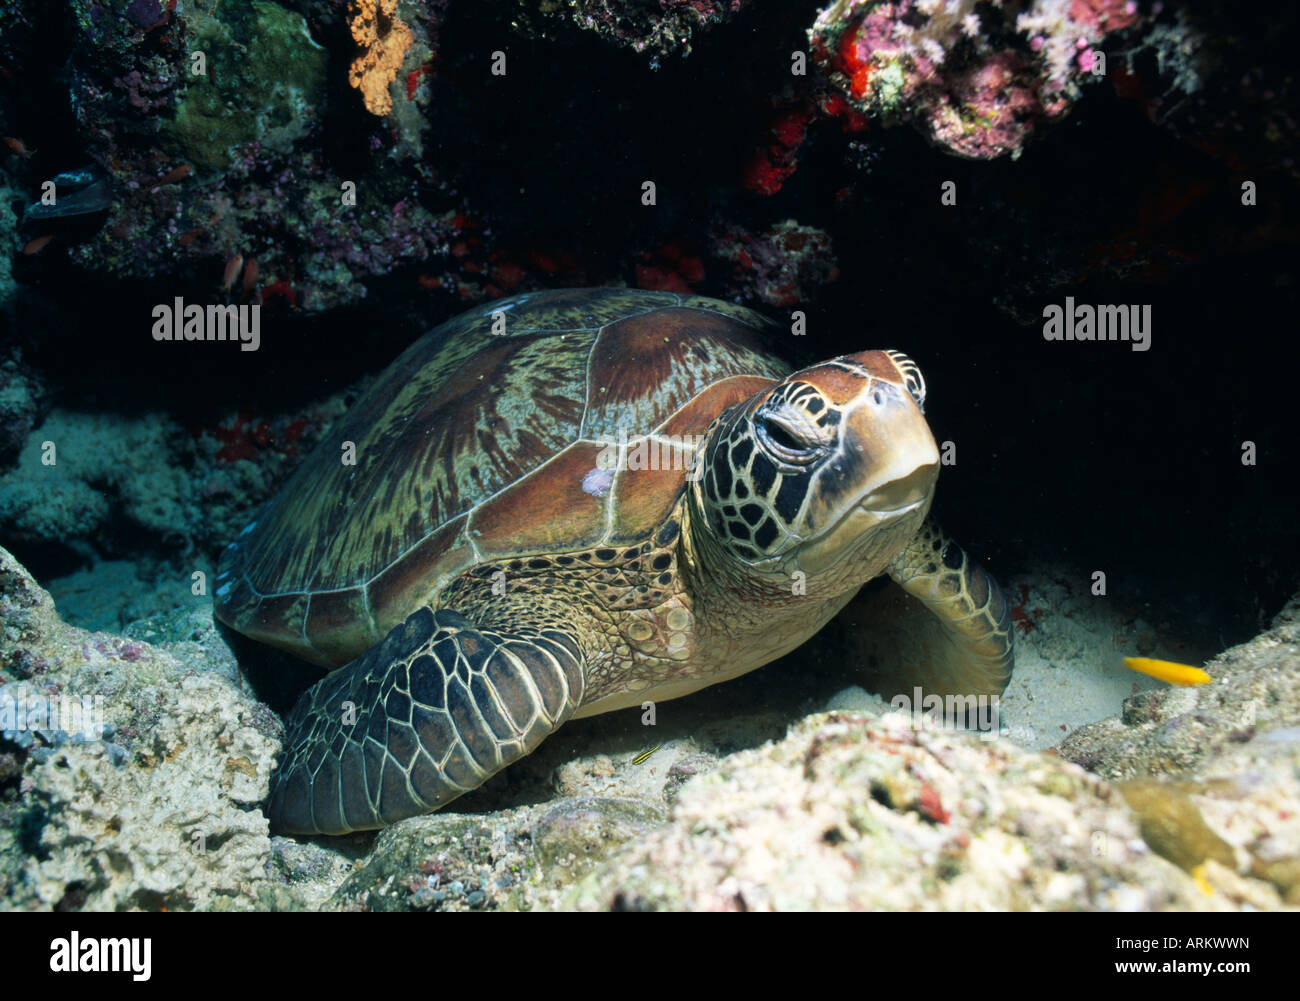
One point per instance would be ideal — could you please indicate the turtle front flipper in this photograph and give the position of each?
(945, 628)
(969, 647)
(426, 715)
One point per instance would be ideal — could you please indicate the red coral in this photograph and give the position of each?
(414, 77)
(671, 267)
(1026, 619)
(660, 279)
(235, 443)
(282, 289)
(850, 63)
(508, 275)
(930, 806)
(851, 119)
(246, 439)
(293, 434)
(777, 159)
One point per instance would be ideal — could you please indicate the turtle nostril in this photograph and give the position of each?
(878, 398)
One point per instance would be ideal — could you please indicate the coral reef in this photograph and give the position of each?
(662, 29)
(786, 264)
(244, 158)
(207, 124)
(8, 236)
(889, 818)
(22, 405)
(157, 818)
(975, 78)
(851, 808)
(167, 829)
(445, 862)
(63, 493)
(383, 39)
(1212, 771)
(99, 484)
(1173, 731)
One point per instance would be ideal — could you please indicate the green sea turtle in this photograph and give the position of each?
(571, 502)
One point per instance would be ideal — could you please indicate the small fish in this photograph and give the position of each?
(39, 244)
(189, 236)
(645, 754)
(173, 176)
(19, 147)
(1167, 670)
(233, 267)
(250, 275)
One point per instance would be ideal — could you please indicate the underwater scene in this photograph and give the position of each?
(690, 455)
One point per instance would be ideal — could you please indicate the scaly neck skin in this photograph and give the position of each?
(743, 618)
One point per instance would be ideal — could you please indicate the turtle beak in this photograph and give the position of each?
(890, 426)
(884, 472)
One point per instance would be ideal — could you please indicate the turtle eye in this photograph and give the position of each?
(783, 441)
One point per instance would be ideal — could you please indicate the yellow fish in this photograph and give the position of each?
(1167, 670)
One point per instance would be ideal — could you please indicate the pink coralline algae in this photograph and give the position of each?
(973, 77)
(146, 93)
(780, 267)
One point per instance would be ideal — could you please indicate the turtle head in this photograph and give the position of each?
(829, 472)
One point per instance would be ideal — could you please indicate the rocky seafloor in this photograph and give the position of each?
(1185, 799)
